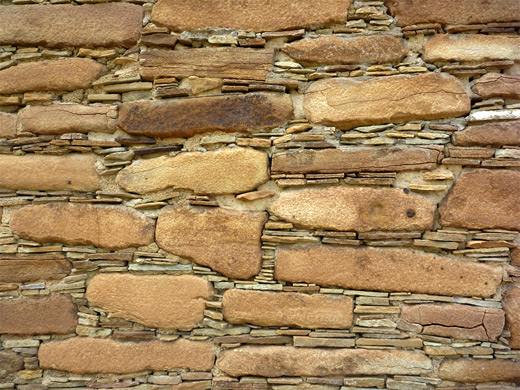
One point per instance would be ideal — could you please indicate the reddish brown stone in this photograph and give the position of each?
(515, 256)
(9, 362)
(22, 271)
(480, 370)
(511, 302)
(494, 134)
(498, 85)
(7, 125)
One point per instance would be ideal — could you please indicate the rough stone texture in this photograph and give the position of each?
(374, 49)
(483, 199)
(511, 303)
(458, 321)
(498, 85)
(494, 134)
(55, 315)
(7, 125)
(287, 309)
(225, 171)
(107, 25)
(91, 356)
(160, 301)
(360, 209)
(60, 75)
(471, 47)
(256, 15)
(347, 103)
(28, 270)
(187, 117)
(480, 370)
(225, 62)
(109, 227)
(386, 270)
(453, 11)
(68, 118)
(228, 241)
(73, 172)
(9, 362)
(354, 160)
(274, 361)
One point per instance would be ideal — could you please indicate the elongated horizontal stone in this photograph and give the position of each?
(256, 15)
(83, 355)
(187, 117)
(483, 199)
(347, 103)
(495, 134)
(287, 309)
(56, 315)
(228, 241)
(22, 271)
(109, 227)
(275, 361)
(225, 171)
(160, 301)
(7, 125)
(511, 303)
(360, 209)
(106, 25)
(224, 62)
(480, 370)
(373, 49)
(73, 172)
(387, 270)
(498, 85)
(60, 75)
(68, 118)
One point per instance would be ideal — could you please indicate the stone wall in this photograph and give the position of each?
(256, 195)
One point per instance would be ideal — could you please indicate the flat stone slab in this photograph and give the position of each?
(480, 370)
(498, 85)
(511, 303)
(29, 270)
(494, 134)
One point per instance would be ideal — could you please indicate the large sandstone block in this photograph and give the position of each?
(187, 117)
(107, 25)
(227, 241)
(55, 315)
(73, 172)
(9, 362)
(480, 370)
(511, 303)
(494, 134)
(360, 209)
(83, 355)
(256, 15)
(275, 361)
(109, 227)
(498, 85)
(28, 270)
(389, 270)
(483, 199)
(7, 125)
(160, 301)
(224, 171)
(287, 309)
(60, 75)
(347, 103)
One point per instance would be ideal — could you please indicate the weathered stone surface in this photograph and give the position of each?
(9, 362)
(354, 160)
(7, 125)
(104, 25)
(83, 355)
(275, 361)
(495, 134)
(511, 303)
(287, 309)
(360, 209)
(386, 270)
(347, 103)
(187, 117)
(224, 171)
(61, 75)
(471, 47)
(458, 321)
(68, 118)
(373, 49)
(453, 11)
(22, 271)
(56, 315)
(256, 15)
(228, 241)
(483, 199)
(480, 370)
(73, 172)
(498, 85)
(109, 227)
(224, 62)
(161, 301)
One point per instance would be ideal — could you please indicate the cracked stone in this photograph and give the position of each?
(498, 85)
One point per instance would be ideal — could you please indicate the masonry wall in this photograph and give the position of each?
(283, 194)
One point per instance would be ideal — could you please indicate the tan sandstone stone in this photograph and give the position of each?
(511, 303)
(9, 362)
(483, 199)
(7, 125)
(29, 270)
(60, 75)
(480, 370)
(495, 134)
(347, 103)
(388, 270)
(498, 85)
(109, 227)
(228, 241)
(82, 355)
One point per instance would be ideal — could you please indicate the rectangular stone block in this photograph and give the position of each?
(498, 85)
(7, 125)
(494, 134)
(29, 270)
(511, 303)
(480, 370)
